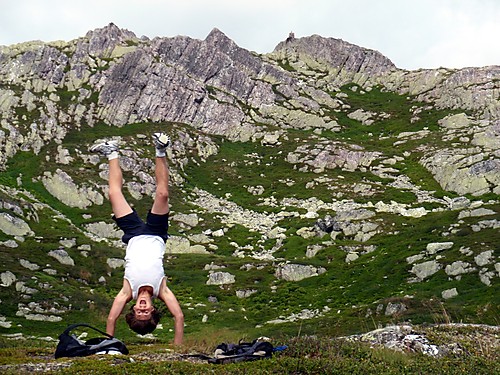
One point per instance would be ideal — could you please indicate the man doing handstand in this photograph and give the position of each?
(144, 275)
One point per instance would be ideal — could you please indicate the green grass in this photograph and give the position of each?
(381, 135)
(373, 277)
(303, 355)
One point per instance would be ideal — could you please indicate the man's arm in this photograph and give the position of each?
(121, 299)
(168, 297)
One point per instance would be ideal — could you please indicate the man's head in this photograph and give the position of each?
(143, 319)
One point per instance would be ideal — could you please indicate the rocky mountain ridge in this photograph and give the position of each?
(207, 95)
(305, 163)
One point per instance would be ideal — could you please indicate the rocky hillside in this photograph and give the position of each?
(317, 183)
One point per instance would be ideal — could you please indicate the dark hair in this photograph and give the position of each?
(142, 326)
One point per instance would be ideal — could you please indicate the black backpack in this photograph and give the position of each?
(70, 346)
(243, 351)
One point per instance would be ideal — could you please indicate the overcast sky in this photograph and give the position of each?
(412, 33)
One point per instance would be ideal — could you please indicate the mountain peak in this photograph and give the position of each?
(335, 52)
(217, 36)
(111, 31)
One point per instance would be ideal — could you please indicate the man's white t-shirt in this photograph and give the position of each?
(144, 263)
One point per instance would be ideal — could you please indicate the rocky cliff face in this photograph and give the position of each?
(222, 89)
(306, 160)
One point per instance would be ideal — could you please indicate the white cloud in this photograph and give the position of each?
(468, 34)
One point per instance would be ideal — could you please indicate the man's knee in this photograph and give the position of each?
(115, 194)
(161, 195)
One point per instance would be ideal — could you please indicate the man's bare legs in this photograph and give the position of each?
(110, 150)
(160, 204)
(119, 204)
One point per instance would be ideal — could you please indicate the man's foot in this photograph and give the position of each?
(105, 148)
(161, 140)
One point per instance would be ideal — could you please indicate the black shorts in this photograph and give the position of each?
(132, 225)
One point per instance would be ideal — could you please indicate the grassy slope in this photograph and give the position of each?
(347, 289)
